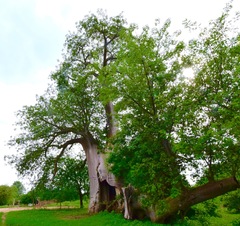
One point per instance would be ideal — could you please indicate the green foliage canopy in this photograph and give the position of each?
(170, 124)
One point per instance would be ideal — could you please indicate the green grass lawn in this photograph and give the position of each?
(45, 217)
(72, 204)
(226, 218)
(76, 216)
(69, 217)
(1, 214)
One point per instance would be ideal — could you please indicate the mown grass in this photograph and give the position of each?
(112, 219)
(225, 219)
(45, 217)
(76, 216)
(1, 214)
(69, 217)
(72, 204)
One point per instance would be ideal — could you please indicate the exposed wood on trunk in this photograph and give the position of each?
(127, 201)
(128, 205)
(132, 207)
(103, 171)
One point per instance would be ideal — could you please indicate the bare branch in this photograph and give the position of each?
(64, 146)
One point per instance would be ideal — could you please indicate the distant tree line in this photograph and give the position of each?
(11, 195)
(69, 183)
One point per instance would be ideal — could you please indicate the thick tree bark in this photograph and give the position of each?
(194, 196)
(111, 125)
(102, 183)
(90, 148)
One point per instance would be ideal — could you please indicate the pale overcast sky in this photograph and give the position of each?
(32, 33)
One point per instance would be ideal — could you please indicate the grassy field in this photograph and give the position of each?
(70, 204)
(1, 214)
(225, 218)
(67, 217)
(70, 215)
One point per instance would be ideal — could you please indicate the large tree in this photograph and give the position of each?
(90, 53)
(121, 91)
(171, 125)
(75, 111)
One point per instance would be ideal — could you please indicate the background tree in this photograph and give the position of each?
(6, 195)
(73, 173)
(18, 191)
(53, 193)
(29, 198)
(20, 188)
(70, 182)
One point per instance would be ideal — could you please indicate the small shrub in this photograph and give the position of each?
(200, 213)
(232, 201)
(236, 222)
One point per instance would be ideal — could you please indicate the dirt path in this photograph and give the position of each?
(6, 210)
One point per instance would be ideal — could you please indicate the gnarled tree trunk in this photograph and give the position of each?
(102, 190)
(103, 185)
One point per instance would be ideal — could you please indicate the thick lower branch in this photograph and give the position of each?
(197, 195)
